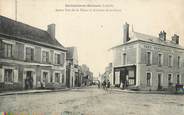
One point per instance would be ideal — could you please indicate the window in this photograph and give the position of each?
(7, 50)
(124, 59)
(57, 77)
(45, 56)
(29, 54)
(170, 61)
(8, 75)
(148, 58)
(169, 79)
(131, 77)
(160, 59)
(45, 77)
(57, 59)
(178, 62)
(178, 79)
(148, 79)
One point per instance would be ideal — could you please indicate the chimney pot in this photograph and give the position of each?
(162, 35)
(126, 37)
(175, 39)
(51, 30)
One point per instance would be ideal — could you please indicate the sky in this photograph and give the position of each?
(94, 32)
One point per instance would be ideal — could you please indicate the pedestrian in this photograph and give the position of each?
(26, 83)
(43, 84)
(31, 82)
(98, 84)
(108, 85)
(121, 85)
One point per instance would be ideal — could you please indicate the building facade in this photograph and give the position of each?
(148, 62)
(30, 56)
(72, 72)
(87, 78)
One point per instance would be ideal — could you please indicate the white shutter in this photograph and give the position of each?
(1, 75)
(117, 77)
(60, 78)
(15, 75)
(48, 77)
(53, 80)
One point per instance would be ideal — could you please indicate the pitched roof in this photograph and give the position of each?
(136, 36)
(26, 32)
(153, 39)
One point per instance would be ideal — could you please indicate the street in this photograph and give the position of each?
(94, 101)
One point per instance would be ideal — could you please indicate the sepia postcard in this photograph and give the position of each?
(91, 57)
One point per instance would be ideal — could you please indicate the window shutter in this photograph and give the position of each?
(53, 78)
(62, 58)
(60, 78)
(49, 76)
(15, 75)
(146, 58)
(1, 75)
(14, 51)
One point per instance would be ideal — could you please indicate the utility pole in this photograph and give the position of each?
(15, 10)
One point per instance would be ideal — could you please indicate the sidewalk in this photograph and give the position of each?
(31, 91)
(140, 92)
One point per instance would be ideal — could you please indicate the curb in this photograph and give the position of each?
(21, 93)
(142, 92)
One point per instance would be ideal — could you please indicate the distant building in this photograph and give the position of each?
(87, 78)
(29, 56)
(72, 67)
(148, 62)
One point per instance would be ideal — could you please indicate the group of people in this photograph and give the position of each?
(29, 83)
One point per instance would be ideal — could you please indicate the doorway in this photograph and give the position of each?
(159, 81)
(29, 80)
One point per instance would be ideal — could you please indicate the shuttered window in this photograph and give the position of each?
(7, 50)
(57, 58)
(29, 54)
(45, 56)
(8, 75)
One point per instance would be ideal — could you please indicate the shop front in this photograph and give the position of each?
(125, 75)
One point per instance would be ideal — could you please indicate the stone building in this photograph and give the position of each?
(30, 56)
(72, 71)
(148, 62)
(87, 77)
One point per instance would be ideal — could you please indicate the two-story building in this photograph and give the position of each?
(29, 56)
(148, 62)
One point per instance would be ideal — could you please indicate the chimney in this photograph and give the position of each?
(162, 35)
(175, 39)
(51, 30)
(126, 37)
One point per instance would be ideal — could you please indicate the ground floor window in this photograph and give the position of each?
(45, 77)
(148, 79)
(8, 75)
(178, 79)
(57, 77)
